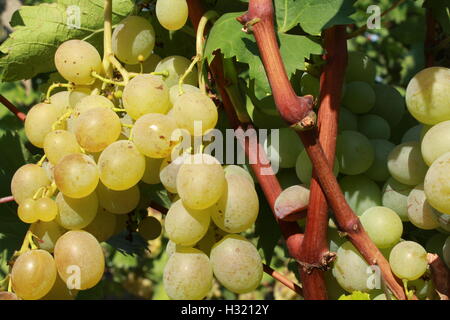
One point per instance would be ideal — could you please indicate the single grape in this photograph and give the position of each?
(27, 211)
(420, 213)
(186, 226)
(383, 226)
(347, 120)
(177, 66)
(437, 184)
(408, 260)
(133, 39)
(118, 202)
(236, 264)
(406, 165)
(412, 134)
(77, 94)
(428, 95)
(443, 220)
(76, 214)
(187, 275)
(75, 60)
(201, 181)
(150, 228)
(395, 196)
(121, 165)
(61, 101)
(146, 94)
(47, 233)
(79, 259)
(303, 167)
(149, 65)
(354, 152)
(360, 192)
(27, 180)
(359, 68)
(76, 175)
(92, 102)
(291, 199)
(374, 127)
(169, 171)
(389, 104)
(172, 14)
(238, 170)
(436, 142)
(60, 143)
(174, 91)
(46, 209)
(378, 171)
(284, 148)
(103, 225)
(151, 174)
(39, 122)
(359, 97)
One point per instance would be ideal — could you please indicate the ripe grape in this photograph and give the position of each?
(77, 94)
(290, 199)
(152, 134)
(359, 68)
(186, 226)
(151, 174)
(406, 165)
(383, 226)
(354, 152)
(360, 192)
(303, 167)
(46, 209)
(347, 120)
(236, 264)
(408, 260)
(60, 143)
(61, 101)
(187, 275)
(389, 104)
(33, 274)
(47, 233)
(27, 212)
(238, 170)
(39, 122)
(174, 91)
(76, 214)
(437, 184)
(27, 180)
(92, 102)
(201, 181)
(177, 66)
(146, 94)
(76, 175)
(118, 202)
(374, 127)
(172, 14)
(76, 59)
(420, 213)
(149, 65)
(150, 228)
(284, 150)
(169, 171)
(378, 171)
(428, 95)
(133, 40)
(359, 97)
(121, 165)
(237, 209)
(436, 142)
(79, 259)
(395, 196)
(103, 225)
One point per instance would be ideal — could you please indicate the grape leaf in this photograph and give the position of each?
(128, 244)
(39, 29)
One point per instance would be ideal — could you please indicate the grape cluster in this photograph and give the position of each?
(102, 138)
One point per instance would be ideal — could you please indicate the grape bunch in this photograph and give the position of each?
(103, 136)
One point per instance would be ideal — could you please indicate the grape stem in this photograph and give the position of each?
(281, 278)
(440, 275)
(107, 81)
(296, 111)
(107, 38)
(41, 161)
(12, 108)
(54, 86)
(7, 199)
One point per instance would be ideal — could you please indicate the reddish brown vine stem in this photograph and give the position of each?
(440, 275)
(7, 199)
(12, 108)
(295, 111)
(430, 38)
(278, 276)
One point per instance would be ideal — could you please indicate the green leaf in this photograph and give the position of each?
(155, 193)
(441, 12)
(356, 295)
(40, 29)
(128, 244)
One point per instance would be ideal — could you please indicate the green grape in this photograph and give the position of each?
(395, 197)
(443, 220)
(195, 112)
(39, 122)
(354, 152)
(103, 225)
(174, 91)
(374, 127)
(238, 170)
(187, 275)
(406, 165)
(359, 68)
(420, 213)
(92, 102)
(26, 211)
(347, 120)
(33, 274)
(171, 247)
(118, 202)
(360, 192)
(47, 233)
(60, 143)
(61, 101)
(46, 209)
(291, 199)
(133, 40)
(359, 97)
(114, 162)
(76, 214)
(75, 60)
(236, 264)
(412, 134)
(151, 174)
(76, 175)
(59, 291)
(446, 252)
(146, 94)
(237, 209)
(437, 184)
(424, 130)
(27, 180)
(408, 260)
(97, 128)
(383, 226)
(428, 95)
(177, 66)
(378, 171)
(77, 94)
(153, 135)
(79, 259)
(172, 14)
(389, 104)
(213, 235)
(436, 142)
(186, 226)
(303, 167)
(285, 148)
(201, 181)
(149, 65)
(150, 228)
(169, 171)
(350, 269)
(309, 85)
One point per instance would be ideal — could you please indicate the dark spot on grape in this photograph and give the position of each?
(160, 87)
(78, 74)
(130, 147)
(161, 137)
(237, 250)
